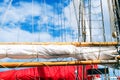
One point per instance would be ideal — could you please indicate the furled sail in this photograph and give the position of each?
(55, 51)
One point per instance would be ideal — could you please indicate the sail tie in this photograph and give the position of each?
(6, 50)
(118, 50)
(117, 66)
(118, 47)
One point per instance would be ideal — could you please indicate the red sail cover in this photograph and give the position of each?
(47, 73)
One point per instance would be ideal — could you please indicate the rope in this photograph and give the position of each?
(65, 31)
(90, 22)
(61, 21)
(103, 21)
(5, 14)
(77, 19)
(32, 17)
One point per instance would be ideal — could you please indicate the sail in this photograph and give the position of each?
(55, 73)
(55, 51)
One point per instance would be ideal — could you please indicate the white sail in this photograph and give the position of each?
(55, 51)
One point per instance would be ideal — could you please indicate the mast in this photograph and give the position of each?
(115, 17)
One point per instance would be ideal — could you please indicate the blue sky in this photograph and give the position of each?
(34, 19)
(45, 20)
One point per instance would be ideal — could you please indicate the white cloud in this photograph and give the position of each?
(17, 14)
(6, 1)
(69, 13)
(16, 34)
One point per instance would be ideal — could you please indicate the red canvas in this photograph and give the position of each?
(47, 73)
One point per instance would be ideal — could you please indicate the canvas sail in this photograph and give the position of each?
(47, 73)
(55, 51)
